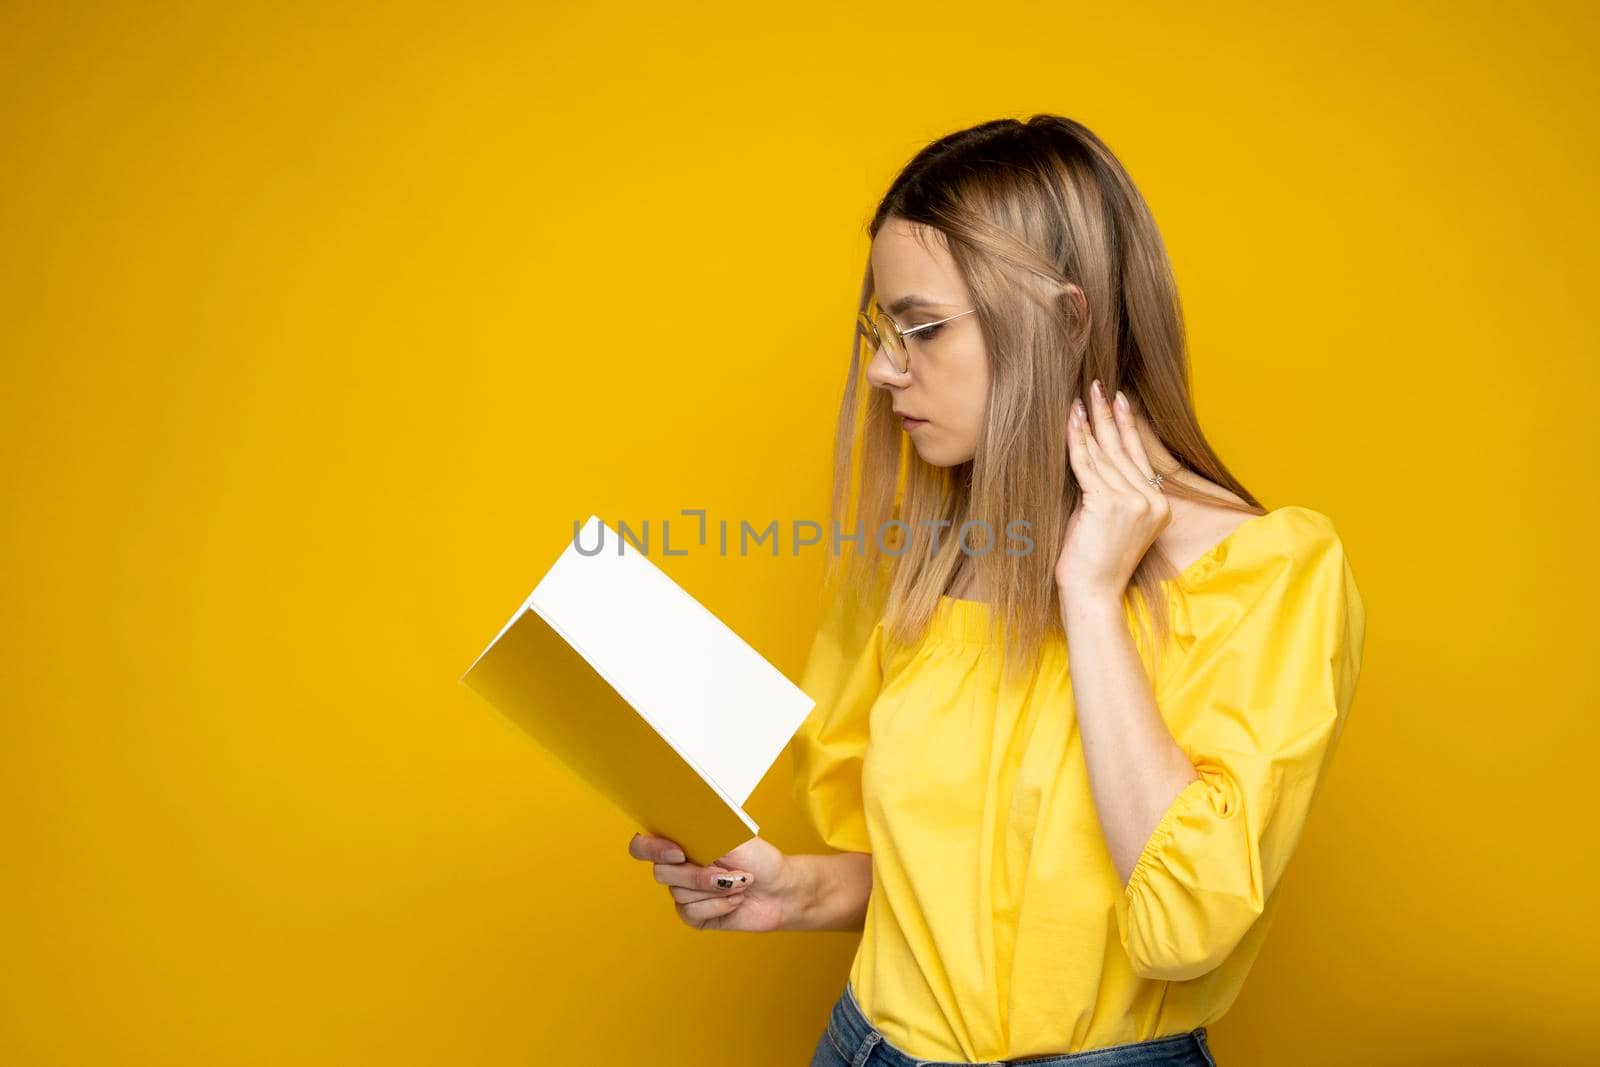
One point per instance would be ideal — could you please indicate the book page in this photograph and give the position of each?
(716, 699)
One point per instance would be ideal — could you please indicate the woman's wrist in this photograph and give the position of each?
(1089, 599)
(825, 892)
(798, 892)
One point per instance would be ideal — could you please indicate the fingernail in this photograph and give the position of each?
(1077, 406)
(1097, 390)
(1122, 401)
(675, 856)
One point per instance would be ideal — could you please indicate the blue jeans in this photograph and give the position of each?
(851, 1041)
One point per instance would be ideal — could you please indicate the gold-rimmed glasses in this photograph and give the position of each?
(880, 331)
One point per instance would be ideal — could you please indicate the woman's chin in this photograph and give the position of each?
(935, 456)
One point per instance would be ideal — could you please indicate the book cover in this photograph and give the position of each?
(642, 692)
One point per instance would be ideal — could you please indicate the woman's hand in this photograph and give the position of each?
(759, 878)
(1120, 513)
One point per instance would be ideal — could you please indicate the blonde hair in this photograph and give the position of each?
(1026, 210)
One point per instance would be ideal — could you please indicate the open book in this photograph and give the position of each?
(643, 693)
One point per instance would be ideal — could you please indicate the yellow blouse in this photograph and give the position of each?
(997, 927)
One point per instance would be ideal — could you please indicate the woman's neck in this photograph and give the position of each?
(964, 586)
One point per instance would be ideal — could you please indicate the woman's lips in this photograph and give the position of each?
(911, 424)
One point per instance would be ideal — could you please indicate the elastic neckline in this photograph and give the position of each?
(968, 620)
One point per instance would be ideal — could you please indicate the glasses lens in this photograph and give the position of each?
(893, 346)
(869, 334)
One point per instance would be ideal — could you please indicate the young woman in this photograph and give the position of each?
(1063, 761)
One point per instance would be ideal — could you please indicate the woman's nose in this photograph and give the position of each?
(881, 370)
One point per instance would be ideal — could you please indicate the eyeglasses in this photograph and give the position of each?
(880, 331)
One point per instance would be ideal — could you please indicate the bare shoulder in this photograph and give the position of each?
(1198, 526)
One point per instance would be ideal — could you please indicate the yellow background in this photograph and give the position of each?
(319, 322)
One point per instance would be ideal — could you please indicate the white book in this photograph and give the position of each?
(642, 692)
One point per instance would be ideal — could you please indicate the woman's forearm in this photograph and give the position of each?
(828, 892)
(1136, 769)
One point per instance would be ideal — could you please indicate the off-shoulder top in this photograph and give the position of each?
(997, 927)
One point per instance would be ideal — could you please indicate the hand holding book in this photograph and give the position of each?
(759, 890)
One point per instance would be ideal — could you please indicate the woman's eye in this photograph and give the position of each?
(929, 333)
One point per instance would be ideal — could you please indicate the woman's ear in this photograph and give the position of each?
(1077, 307)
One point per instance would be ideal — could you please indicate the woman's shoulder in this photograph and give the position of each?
(1276, 605)
(1249, 549)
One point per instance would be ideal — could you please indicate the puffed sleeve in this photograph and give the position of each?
(1258, 705)
(843, 674)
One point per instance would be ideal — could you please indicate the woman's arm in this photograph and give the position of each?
(1260, 705)
(1135, 767)
(1200, 833)
(827, 892)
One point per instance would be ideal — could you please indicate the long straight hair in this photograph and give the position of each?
(1025, 210)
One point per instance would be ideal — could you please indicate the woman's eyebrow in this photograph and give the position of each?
(913, 301)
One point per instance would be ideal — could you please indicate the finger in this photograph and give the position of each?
(688, 896)
(1132, 443)
(722, 880)
(659, 849)
(1104, 421)
(684, 874)
(1117, 470)
(703, 912)
(1078, 450)
(1111, 475)
(705, 879)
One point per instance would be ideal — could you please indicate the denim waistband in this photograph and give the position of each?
(863, 1044)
